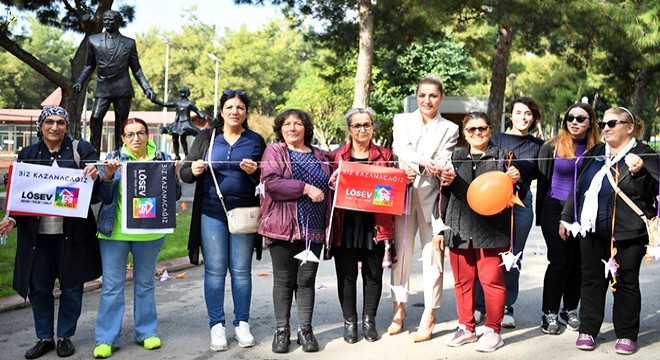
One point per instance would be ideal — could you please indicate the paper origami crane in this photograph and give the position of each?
(400, 293)
(306, 256)
(610, 267)
(574, 228)
(438, 225)
(653, 251)
(509, 260)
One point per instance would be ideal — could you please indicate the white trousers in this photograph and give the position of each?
(432, 261)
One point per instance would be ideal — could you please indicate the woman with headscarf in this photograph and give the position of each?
(52, 247)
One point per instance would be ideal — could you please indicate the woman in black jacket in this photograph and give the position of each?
(476, 241)
(50, 247)
(610, 230)
(559, 160)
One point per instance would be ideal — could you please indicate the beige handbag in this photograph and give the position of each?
(243, 220)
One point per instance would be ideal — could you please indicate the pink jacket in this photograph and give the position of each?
(279, 215)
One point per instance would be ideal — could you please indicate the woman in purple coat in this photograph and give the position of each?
(295, 217)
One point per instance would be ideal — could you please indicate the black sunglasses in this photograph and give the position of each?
(569, 118)
(230, 92)
(611, 124)
(481, 129)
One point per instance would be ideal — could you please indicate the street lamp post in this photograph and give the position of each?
(163, 138)
(215, 92)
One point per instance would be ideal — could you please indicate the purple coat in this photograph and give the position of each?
(279, 213)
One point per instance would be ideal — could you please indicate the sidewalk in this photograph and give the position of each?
(15, 301)
(184, 330)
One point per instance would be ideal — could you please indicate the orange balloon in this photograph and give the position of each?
(490, 193)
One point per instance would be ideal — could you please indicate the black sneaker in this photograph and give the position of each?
(281, 340)
(307, 340)
(571, 319)
(40, 348)
(65, 348)
(549, 324)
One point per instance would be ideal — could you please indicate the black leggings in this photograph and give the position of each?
(290, 277)
(346, 265)
(563, 275)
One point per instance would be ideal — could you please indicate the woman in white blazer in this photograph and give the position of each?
(423, 142)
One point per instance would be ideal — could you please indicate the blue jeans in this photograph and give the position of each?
(45, 268)
(222, 251)
(523, 217)
(114, 254)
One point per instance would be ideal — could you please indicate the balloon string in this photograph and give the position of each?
(511, 242)
(405, 233)
(508, 164)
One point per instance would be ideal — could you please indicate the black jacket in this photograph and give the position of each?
(486, 231)
(81, 260)
(198, 151)
(642, 189)
(546, 166)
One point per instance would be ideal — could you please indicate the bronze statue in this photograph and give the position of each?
(111, 54)
(182, 125)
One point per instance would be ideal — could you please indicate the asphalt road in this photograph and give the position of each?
(184, 330)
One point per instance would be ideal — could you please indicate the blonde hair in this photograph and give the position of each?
(629, 116)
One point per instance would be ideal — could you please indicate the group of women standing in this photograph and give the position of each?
(590, 202)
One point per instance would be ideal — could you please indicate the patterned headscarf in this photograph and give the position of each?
(49, 111)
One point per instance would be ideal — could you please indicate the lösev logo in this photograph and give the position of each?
(66, 197)
(383, 195)
(144, 208)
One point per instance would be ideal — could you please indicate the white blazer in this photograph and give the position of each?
(407, 146)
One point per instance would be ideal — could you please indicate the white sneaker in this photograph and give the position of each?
(243, 336)
(508, 322)
(489, 341)
(478, 316)
(218, 338)
(461, 336)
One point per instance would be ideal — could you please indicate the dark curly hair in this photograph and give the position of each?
(306, 120)
(219, 122)
(533, 107)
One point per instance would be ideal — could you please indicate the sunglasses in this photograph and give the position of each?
(230, 92)
(366, 126)
(611, 124)
(481, 129)
(569, 118)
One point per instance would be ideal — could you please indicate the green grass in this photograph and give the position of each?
(176, 245)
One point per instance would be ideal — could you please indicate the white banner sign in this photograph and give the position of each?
(46, 190)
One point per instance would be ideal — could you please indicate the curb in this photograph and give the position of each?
(15, 301)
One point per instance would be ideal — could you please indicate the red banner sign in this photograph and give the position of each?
(370, 188)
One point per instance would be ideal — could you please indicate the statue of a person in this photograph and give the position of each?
(182, 125)
(111, 54)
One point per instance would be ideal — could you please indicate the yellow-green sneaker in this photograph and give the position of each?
(152, 343)
(103, 351)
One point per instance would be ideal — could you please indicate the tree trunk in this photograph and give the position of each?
(365, 56)
(641, 80)
(498, 76)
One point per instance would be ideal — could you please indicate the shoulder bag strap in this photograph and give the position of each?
(209, 157)
(625, 197)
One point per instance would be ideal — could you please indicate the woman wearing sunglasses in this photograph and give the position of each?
(475, 241)
(359, 236)
(115, 246)
(559, 161)
(610, 228)
(234, 152)
(525, 115)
